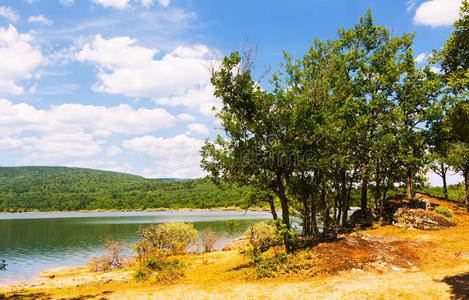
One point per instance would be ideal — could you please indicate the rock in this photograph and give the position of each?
(420, 219)
(362, 218)
(238, 243)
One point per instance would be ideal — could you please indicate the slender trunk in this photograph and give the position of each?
(314, 223)
(306, 217)
(466, 180)
(443, 176)
(364, 192)
(410, 184)
(344, 199)
(335, 204)
(272, 208)
(285, 212)
(283, 201)
(326, 206)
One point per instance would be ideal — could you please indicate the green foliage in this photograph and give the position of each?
(455, 191)
(158, 267)
(111, 259)
(171, 237)
(444, 211)
(65, 189)
(3, 265)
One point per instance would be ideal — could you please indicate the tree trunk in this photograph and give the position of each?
(364, 192)
(410, 184)
(283, 201)
(306, 218)
(285, 212)
(466, 180)
(443, 176)
(325, 199)
(272, 208)
(314, 223)
(344, 199)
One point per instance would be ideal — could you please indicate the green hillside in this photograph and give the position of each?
(64, 189)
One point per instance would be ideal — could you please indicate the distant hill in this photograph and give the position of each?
(65, 189)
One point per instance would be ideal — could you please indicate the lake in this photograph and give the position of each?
(33, 242)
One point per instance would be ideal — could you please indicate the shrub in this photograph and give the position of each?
(260, 230)
(444, 211)
(159, 267)
(112, 257)
(209, 238)
(3, 265)
(168, 237)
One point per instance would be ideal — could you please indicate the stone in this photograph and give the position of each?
(362, 218)
(420, 219)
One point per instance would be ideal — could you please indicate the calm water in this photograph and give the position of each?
(33, 242)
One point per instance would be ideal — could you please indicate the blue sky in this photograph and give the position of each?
(123, 85)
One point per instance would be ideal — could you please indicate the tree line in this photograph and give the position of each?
(355, 114)
(67, 189)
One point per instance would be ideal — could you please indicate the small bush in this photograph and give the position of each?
(260, 230)
(168, 237)
(3, 265)
(209, 238)
(444, 211)
(159, 267)
(112, 257)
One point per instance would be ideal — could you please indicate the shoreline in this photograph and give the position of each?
(161, 209)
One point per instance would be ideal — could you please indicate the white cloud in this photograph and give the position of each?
(164, 3)
(97, 120)
(113, 150)
(437, 12)
(66, 2)
(119, 4)
(71, 144)
(411, 4)
(8, 13)
(421, 57)
(10, 143)
(91, 164)
(198, 98)
(40, 19)
(131, 70)
(73, 130)
(198, 129)
(177, 156)
(19, 59)
(147, 3)
(186, 117)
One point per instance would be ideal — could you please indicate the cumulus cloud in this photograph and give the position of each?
(70, 144)
(178, 78)
(40, 19)
(98, 120)
(168, 157)
(164, 3)
(198, 128)
(186, 117)
(119, 4)
(437, 12)
(19, 59)
(198, 98)
(421, 57)
(8, 13)
(74, 129)
(113, 150)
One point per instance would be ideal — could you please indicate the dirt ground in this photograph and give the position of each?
(380, 263)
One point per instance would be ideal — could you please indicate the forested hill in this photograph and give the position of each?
(64, 189)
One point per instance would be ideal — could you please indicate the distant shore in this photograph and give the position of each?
(229, 208)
